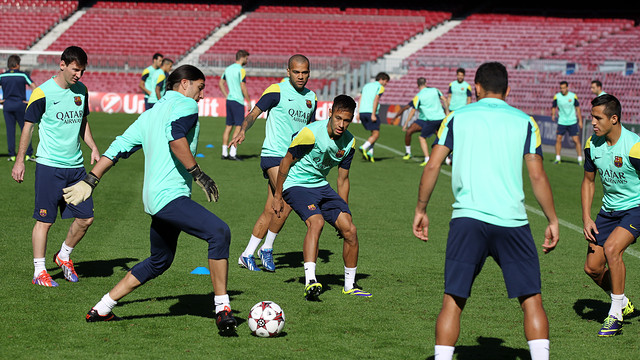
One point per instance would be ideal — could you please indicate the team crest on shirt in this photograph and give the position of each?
(311, 207)
(617, 161)
(43, 212)
(340, 153)
(77, 100)
(309, 104)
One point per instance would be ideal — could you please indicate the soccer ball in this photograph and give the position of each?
(266, 319)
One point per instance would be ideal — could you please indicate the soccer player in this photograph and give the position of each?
(160, 79)
(302, 183)
(459, 91)
(489, 138)
(567, 107)
(60, 107)
(235, 78)
(596, 88)
(432, 108)
(146, 80)
(368, 107)
(13, 83)
(168, 134)
(290, 107)
(614, 152)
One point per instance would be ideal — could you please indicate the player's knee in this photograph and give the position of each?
(85, 223)
(594, 272)
(350, 235)
(315, 223)
(219, 242)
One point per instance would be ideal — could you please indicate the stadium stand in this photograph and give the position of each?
(356, 34)
(33, 17)
(127, 33)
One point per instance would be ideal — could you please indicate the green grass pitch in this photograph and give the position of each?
(172, 316)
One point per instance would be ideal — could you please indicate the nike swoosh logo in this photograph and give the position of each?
(597, 157)
(631, 226)
(291, 99)
(56, 102)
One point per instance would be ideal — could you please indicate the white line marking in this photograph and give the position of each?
(529, 208)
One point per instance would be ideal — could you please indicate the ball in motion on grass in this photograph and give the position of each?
(266, 319)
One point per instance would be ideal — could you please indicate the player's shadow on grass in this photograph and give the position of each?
(100, 268)
(191, 304)
(596, 310)
(294, 259)
(489, 348)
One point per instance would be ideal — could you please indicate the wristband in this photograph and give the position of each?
(92, 180)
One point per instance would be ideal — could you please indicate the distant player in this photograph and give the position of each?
(168, 135)
(432, 108)
(60, 107)
(489, 138)
(290, 106)
(567, 107)
(146, 79)
(614, 153)
(368, 107)
(235, 78)
(596, 88)
(14, 83)
(459, 91)
(160, 79)
(302, 183)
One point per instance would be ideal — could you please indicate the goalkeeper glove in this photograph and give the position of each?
(206, 183)
(82, 190)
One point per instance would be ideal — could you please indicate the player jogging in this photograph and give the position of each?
(614, 152)
(459, 91)
(60, 107)
(368, 112)
(168, 134)
(489, 218)
(432, 108)
(290, 107)
(235, 78)
(567, 107)
(302, 183)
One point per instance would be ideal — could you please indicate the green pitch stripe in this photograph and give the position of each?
(529, 208)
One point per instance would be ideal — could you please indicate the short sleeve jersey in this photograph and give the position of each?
(428, 104)
(235, 75)
(460, 92)
(489, 139)
(59, 114)
(147, 77)
(159, 79)
(173, 117)
(566, 105)
(618, 166)
(288, 112)
(368, 94)
(13, 84)
(318, 154)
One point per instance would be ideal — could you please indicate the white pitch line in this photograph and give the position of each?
(529, 208)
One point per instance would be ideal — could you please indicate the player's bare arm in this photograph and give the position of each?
(411, 113)
(245, 92)
(427, 184)
(246, 125)
(87, 137)
(17, 173)
(143, 88)
(579, 114)
(542, 191)
(587, 190)
(223, 87)
(343, 184)
(374, 118)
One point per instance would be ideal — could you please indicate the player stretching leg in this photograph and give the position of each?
(168, 134)
(302, 183)
(615, 153)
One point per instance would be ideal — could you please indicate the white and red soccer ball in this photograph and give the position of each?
(266, 319)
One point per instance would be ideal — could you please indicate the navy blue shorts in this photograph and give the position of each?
(147, 104)
(607, 221)
(430, 128)
(365, 119)
(267, 162)
(573, 130)
(420, 123)
(181, 214)
(469, 243)
(319, 200)
(49, 182)
(235, 113)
